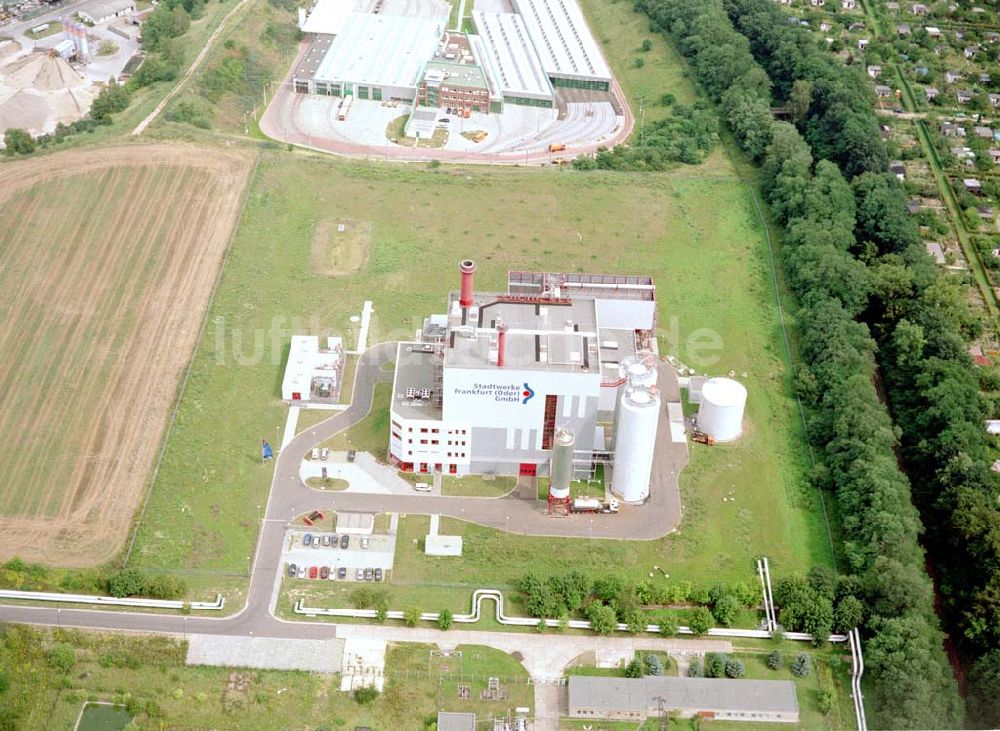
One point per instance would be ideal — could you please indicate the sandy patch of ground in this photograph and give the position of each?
(340, 246)
(110, 257)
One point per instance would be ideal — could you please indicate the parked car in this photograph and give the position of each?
(315, 453)
(359, 575)
(364, 542)
(422, 487)
(369, 574)
(326, 540)
(324, 572)
(316, 542)
(345, 541)
(307, 539)
(312, 572)
(351, 454)
(378, 574)
(342, 573)
(334, 541)
(292, 571)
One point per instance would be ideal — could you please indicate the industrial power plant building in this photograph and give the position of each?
(398, 50)
(488, 382)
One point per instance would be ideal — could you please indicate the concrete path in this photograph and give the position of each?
(290, 425)
(548, 702)
(545, 657)
(263, 652)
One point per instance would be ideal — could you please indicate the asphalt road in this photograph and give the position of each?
(289, 497)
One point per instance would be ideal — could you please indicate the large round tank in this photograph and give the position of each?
(635, 440)
(638, 369)
(562, 463)
(721, 412)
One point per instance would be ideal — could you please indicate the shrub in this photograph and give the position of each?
(411, 616)
(800, 666)
(735, 668)
(18, 142)
(668, 624)
(654, 666)
(715, 664)
(127, 582)
(774, 660)
(700, 620)
(602, 618)
(826, 700)
(445, 619)
(365, 695)
(634, 669)
(647, 46)
(62, 657)
(696, 669)
(726, 610)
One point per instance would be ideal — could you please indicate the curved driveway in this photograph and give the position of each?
(660, 515)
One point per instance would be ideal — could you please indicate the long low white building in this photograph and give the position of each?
(506, 53)
(566, 47)
(724, 699)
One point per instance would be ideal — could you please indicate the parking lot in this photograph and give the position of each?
(369, 553)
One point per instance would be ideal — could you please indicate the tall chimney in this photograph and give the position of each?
(501, 342)
(468, 269)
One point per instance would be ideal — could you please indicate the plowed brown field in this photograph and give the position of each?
(107, 262)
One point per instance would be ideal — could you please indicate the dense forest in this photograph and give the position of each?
(872, 308)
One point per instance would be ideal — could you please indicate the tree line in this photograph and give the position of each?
(922, 325)
(844, 223)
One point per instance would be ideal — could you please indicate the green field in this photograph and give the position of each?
(202, 511)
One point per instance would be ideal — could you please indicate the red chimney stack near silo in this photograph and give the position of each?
(468, 269)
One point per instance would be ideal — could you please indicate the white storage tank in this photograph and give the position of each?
(562, 463)
(722, 403)
(635, 440)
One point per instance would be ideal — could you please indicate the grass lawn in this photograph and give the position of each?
(621, 30)
(54, 26)
(669, 226)
(328, 483)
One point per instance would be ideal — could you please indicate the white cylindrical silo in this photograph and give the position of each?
(562, 463)
(721, 412)
(635, 440)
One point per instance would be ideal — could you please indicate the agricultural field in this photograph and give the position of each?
(110, 257)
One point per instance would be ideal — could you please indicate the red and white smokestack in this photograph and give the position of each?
(468, 269)
(501, 342)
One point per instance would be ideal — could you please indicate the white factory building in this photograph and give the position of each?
(313, 373)
(379, 49)
(486, 384)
